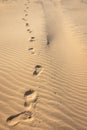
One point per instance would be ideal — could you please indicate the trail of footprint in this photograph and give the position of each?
(24, 19)
(19, 118)
(38, 70)
(30, 97)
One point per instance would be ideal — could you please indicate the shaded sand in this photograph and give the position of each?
(43, 65)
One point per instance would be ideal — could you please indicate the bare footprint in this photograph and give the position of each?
(32, 39)
(27, 7)
(38, 70)
(27, 24)
(28, 1)
(31, 50)
(26, 14)
(25, 4)
(19, 118)
(30, 97)
(24, 19)
(28, 30)
(25, 10)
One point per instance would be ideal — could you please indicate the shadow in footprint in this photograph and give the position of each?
(21, 117)
(48, 40)
(38, 69)
(29, 92)
(30, 49)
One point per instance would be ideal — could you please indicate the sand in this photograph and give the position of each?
(43, 65)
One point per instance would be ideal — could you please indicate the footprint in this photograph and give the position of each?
(30, 97)
(27, 24)
(19, 118)
(24, 19)
(27, 7)
(38, 70)
(28, 1)
(31, 50)
(25, 4)
(28, 30)
(32, 39)
(26, 14)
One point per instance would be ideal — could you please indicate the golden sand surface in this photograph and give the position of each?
(43, 65)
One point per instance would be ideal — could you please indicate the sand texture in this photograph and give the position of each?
(43, 64)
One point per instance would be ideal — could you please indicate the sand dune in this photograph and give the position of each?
(43, 65)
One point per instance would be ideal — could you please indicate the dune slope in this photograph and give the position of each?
(43, 65)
